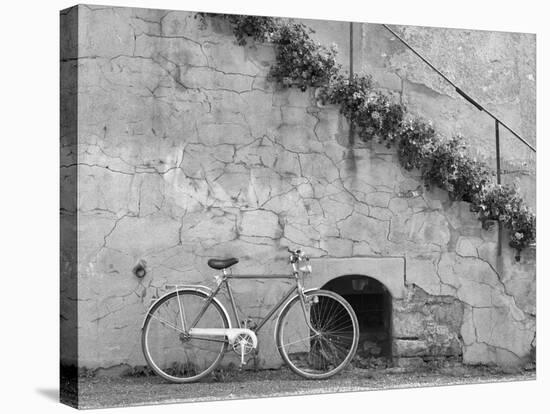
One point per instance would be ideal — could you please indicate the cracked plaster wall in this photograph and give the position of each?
(498, 69)
(185, 151)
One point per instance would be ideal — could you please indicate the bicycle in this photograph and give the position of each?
(187, 331)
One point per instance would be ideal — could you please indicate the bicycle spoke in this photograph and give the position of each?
(335, 345)
(299, 340)
(335, 317)
(322, 355)
(173, 353)
(164, 322)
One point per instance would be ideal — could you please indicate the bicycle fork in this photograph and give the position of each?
(303, 300)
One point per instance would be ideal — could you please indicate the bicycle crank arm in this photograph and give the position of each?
(231, 334)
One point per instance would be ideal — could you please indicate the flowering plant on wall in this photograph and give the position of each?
(373, 114)
(257, 28)
(443, 162)
(301, 62)
(504, 204)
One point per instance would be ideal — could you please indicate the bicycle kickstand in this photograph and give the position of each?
(243, 362)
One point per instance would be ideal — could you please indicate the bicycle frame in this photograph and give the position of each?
(223, 280)
(225, 277)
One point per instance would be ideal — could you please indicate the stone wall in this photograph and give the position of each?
(498, 69)
(185, 151)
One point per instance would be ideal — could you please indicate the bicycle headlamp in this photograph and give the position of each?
(304, 266)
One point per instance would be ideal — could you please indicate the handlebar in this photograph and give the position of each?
(296, 255)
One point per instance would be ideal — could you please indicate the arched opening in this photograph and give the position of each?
(372, 304)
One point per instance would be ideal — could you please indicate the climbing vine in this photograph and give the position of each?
(257, 28)
(443, 162)
(374, 115)
(503, 203)
(302, 62)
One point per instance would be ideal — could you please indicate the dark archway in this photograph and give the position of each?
(372, 303)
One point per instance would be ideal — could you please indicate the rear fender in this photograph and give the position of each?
(189, 288)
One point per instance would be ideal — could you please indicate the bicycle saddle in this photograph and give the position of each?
(222, 263)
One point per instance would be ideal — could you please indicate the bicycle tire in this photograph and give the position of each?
(191, 366)
(314, 354)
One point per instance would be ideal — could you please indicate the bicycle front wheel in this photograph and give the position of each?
(170, 351)
(318, 339)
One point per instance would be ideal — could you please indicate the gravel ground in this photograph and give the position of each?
(131, 391)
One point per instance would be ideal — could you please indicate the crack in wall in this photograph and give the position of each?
(213, 157)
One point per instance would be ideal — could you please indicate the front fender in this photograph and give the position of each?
(284, 307)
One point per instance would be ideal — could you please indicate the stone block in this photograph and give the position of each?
(408, 363)
(363, 228)
(105, 33)
(421, 270)
(379, 199)
(495, 328)
(423, 229)
(467, 246)
(480, 353)
(398, 205)
(408, 324)
(260, 223)
(337, 247)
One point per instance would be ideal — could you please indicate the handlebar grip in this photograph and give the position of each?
(297, 252)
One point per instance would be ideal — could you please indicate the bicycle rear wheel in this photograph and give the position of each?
(171, 352)
(328, 348)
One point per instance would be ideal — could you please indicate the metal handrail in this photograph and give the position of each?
(460, 91)
(498, 122)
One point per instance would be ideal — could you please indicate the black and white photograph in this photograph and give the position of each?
(255, 205)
